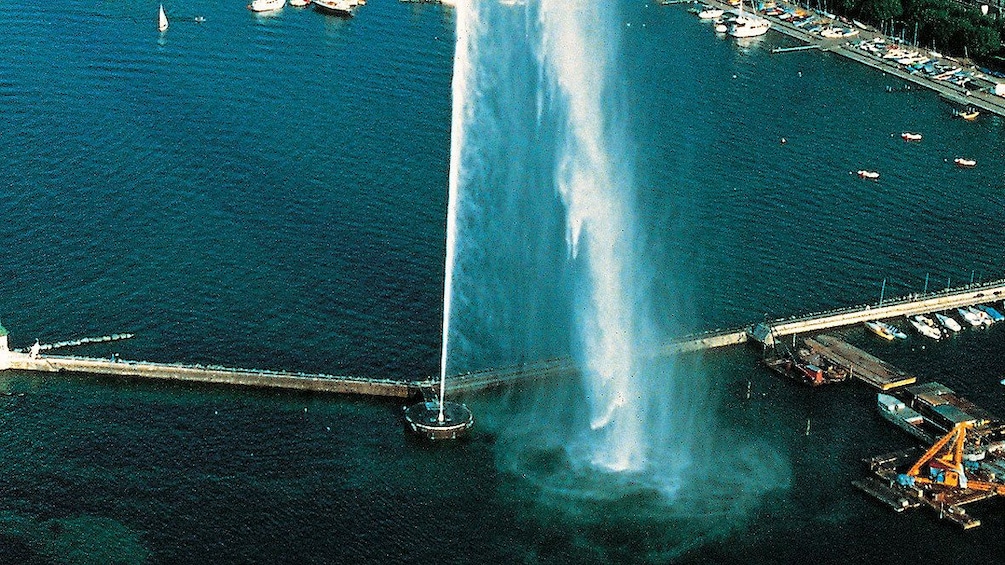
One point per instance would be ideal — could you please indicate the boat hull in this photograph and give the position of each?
(340, 9)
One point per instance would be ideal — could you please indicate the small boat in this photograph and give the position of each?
(721, 26)
(266, 5)
(864, 174)
(894, 330)
(948, 323)
(995, 315)
(969, 317)
(969, 115)
(710, 13)
(300, 3)
(341, 8)
(926, 329)
(746, 26)
(981, 315)
(880, 330)
(908, 136)
(162, 20)
(965, 163)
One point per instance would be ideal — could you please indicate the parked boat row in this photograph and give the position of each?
(943, 324)
(736, 23)
(342, 8)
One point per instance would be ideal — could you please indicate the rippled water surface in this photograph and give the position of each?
(270, 192)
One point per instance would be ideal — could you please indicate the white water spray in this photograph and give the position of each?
(540, 150)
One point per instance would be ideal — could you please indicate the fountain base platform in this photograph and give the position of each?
(423, 419)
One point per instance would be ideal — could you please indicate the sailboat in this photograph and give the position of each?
(748, 26)
(162, 20)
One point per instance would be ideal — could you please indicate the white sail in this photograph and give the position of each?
(162, 20)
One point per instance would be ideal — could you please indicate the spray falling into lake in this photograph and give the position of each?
(546, 258)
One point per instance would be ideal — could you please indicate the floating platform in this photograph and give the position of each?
(887, 494)
(864, 367)
(423, 419)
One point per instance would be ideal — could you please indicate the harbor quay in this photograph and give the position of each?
(982, 97)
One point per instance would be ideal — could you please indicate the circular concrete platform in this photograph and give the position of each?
(423, 419)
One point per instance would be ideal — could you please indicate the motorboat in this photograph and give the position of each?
(981, 315)
(300, 3)
(864, 174)
(341, 8)
(266, 5)
(969, 317)
(162, 20)
(710, 13)
(748, 26)
(908, 136)
(996, 316)
(894, 330)
(965, 163)
(969, 114)
(879, 329)
(949, 323)
(927, 330)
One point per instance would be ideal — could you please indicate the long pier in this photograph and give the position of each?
(390, 388)
(766, 333)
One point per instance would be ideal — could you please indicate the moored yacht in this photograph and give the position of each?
(949, 323)
(995, 315)
(926, 329)
(894, 330)
(969, 317)
(748, 26)
(984, 317)
(879, 329)
(710, 13)
(266, 5)
(341, 8)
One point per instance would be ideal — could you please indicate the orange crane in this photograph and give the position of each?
(945, 464)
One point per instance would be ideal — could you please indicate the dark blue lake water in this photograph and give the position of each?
(270, 192)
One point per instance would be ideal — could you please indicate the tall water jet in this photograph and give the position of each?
(547, 257)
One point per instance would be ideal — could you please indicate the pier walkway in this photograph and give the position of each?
(209, 374)
(766, 333)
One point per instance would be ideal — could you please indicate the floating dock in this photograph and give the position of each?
(864, 367)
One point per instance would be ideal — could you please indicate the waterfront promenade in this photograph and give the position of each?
(979, 98)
